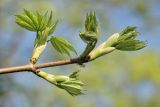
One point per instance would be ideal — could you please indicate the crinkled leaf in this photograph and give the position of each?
(62, 45)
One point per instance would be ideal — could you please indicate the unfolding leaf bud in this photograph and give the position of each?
(124, 41)
(69, 83)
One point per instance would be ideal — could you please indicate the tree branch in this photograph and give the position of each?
(33, 68)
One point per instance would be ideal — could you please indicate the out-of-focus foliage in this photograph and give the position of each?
(120, 79)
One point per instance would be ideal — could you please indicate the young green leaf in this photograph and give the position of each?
(127, 30)
(130, 45)
(126, 40)
(24, 24)
(41, 22)
(28, 19)
(52, 28)
(90, 36)
(25, 19)
(62, 45)
(74, 74)
(42, 25)
(36, 21)
(69, 83)
(91, 28)
(128, 33)
(33, 17)
(72, 85)
(49, 22)
(91, 23)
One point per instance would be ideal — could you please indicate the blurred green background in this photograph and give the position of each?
(119, 79)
